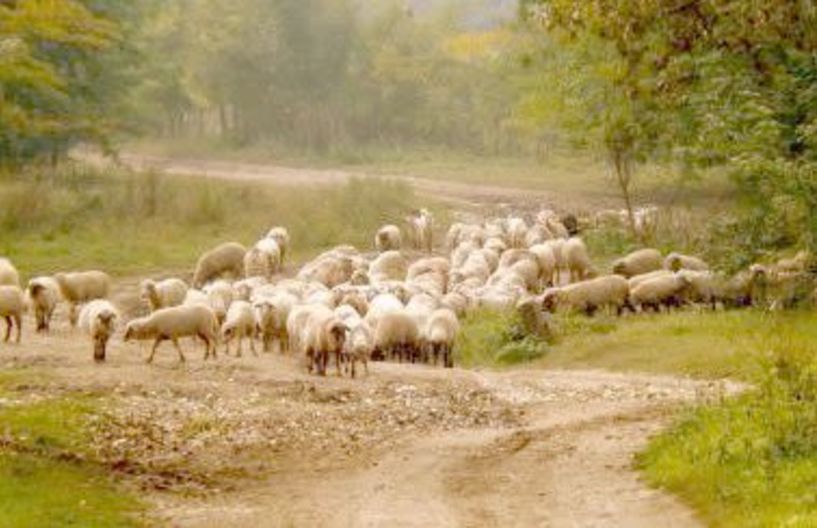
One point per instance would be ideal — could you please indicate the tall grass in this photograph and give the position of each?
(751, 461)
(127, 222)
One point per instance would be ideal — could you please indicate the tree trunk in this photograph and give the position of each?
(623, 173)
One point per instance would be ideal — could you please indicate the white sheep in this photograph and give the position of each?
(577, 260)
(220, 296)
(677, 262)
(98, 319)
(239, 324)
(324, 335)
(44, 296)
(281, 236)
(296, 324)
(271, 314)
(638, 279)
(12, 306)
(441, 334)
(228, 258)
(9, 276)
(665, 291)
(457, 302)
(388, 238)
(420, 227)
(329, 270)
(388, 266)
(172, 323)
(82, 287)
(263, 259)
(589, 296)
(638, 263)
(163, 294)
(358, 347)
(396, 335)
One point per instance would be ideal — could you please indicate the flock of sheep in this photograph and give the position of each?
(351, 307)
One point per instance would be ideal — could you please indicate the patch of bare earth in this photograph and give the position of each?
(256, 440)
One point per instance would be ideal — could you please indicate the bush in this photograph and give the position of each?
(489, 338)
(752, 460)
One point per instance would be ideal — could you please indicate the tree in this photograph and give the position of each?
(47, 76)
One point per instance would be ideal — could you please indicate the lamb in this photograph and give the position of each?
(98, 319)
(227, 258)
(239, 324)
(281, 237)
(263, 259)
(677, 262)
(82, 287)
(589, 296)
(271, 313)
(638, 263)
(325, 335)
(396, 335)
(577, 260)
(661, 291)
(441, 334)
(388, 238)
(44, 296)
(9, 276)
(12, 306)
(164, 294)
(173, 323)
(358, 347)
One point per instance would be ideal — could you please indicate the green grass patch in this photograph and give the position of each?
(493, 339)
(45, 478)
(752, 460)
(704, 344)
(123, 222)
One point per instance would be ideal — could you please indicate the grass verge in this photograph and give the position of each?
(78, 217)
(750, 461)
(45, 478)
(493, 339)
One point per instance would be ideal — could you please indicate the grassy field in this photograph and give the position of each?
(127, 223)
(39, 485)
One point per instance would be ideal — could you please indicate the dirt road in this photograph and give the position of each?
(459, 194)
(256, 441)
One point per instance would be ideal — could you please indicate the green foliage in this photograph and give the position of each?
(750, 461)
(490, 339)
(56, 80)
(127, 222)
(706, 83)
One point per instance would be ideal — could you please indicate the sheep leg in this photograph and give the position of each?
(337, 362)
(8, 328)
(73, 314)
(252, 347)
(179, 350)
(19, 320)
(324, 358)
(156, 344)
(239, 351)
